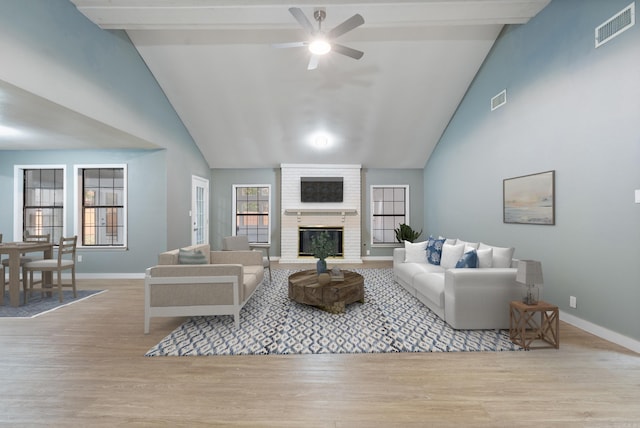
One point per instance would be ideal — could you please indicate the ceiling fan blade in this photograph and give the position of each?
(348, 25)
(353, 53)
(290, 45)
(299, 15)
(313, 62)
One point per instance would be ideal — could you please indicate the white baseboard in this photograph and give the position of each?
(377, 258)
(601, 332)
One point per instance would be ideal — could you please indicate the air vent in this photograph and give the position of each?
(499, 100)
(616, 25)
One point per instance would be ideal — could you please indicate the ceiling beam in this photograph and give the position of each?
(256, 15)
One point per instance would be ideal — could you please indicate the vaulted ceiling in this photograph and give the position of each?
(249, 105)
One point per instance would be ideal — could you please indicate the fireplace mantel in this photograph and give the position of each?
(321, 211)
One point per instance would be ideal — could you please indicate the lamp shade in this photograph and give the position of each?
(529, 272)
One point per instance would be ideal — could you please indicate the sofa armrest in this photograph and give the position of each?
(479, 298)
(245, 258)
(399, 255)
(194, 270)
(187, 290)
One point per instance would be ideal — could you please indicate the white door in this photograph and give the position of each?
(199, 210)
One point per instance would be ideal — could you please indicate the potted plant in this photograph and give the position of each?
(322, 247)
(406, 233)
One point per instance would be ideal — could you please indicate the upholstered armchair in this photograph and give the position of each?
(241, 243)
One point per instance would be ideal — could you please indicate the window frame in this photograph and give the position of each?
(407, 209)
(234, 214)
(78, 205)
(18, 197)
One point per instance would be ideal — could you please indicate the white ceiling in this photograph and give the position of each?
(249, 105)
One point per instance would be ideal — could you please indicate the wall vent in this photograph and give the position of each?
(616, 25)
(499, 100)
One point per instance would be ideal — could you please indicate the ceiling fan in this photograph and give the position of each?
(321, 43)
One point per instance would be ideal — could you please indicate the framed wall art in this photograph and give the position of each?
(529, 199)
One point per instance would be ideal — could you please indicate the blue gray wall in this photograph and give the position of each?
(145, 213)
(117, 84)
(571, 108)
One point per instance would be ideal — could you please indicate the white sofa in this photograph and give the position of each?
(220, 283)
(465, 298)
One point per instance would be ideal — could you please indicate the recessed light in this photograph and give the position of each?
(321, 141)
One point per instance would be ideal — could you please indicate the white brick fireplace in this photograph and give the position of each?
(295, 213)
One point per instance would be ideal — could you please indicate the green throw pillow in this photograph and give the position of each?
(191, 257)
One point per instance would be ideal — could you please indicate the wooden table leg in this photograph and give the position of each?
(14, 278)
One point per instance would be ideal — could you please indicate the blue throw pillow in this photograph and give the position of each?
(468, 260)
(434, 250)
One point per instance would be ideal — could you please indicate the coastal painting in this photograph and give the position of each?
(530, 199)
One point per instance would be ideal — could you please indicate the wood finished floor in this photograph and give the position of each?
(83, 365)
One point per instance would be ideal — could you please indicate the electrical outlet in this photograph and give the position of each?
(368, 252)
(572, 302)
(79, 258)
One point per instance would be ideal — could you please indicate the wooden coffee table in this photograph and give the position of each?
(332, 296)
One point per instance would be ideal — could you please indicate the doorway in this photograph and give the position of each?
(199, 210)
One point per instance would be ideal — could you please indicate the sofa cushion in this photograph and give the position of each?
(468, 260)
(450, 255)
(406, 272)
(431, 286)
(501, 255)
(434, 250)
(191, 257)
(485, 258)
(415, 253)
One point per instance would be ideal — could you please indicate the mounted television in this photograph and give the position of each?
(321, 189)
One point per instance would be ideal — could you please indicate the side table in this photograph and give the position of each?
(525, 325)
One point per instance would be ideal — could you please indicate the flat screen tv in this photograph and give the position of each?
(321, 189)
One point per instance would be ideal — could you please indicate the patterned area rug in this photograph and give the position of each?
(390, 320)
(38, 305)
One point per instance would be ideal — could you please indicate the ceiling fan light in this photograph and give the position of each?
(319, 47)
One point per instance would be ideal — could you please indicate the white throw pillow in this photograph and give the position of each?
(473, 245)
(415, 252)
(448, 240)
(501, 255)
(468, 247)
(450, 255)
(485, 258)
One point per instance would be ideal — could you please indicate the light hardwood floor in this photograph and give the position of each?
(83, 365)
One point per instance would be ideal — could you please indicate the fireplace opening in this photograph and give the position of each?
(308, 232)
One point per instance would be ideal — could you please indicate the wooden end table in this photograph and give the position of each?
(332, 296)
(525, 326)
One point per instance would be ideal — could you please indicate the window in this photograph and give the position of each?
(389, 209)
(43, 202)
(252, 211)
(102, 206)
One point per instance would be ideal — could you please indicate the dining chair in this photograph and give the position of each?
(241, 243)
(24, 260)
(66, 246)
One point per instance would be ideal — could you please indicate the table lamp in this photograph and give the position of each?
(529, 274)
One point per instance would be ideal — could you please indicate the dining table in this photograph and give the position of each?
(14, 250)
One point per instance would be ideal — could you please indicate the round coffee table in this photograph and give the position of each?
(332, 296)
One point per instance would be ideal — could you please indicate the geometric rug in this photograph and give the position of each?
(390, 320)
(38, 305)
